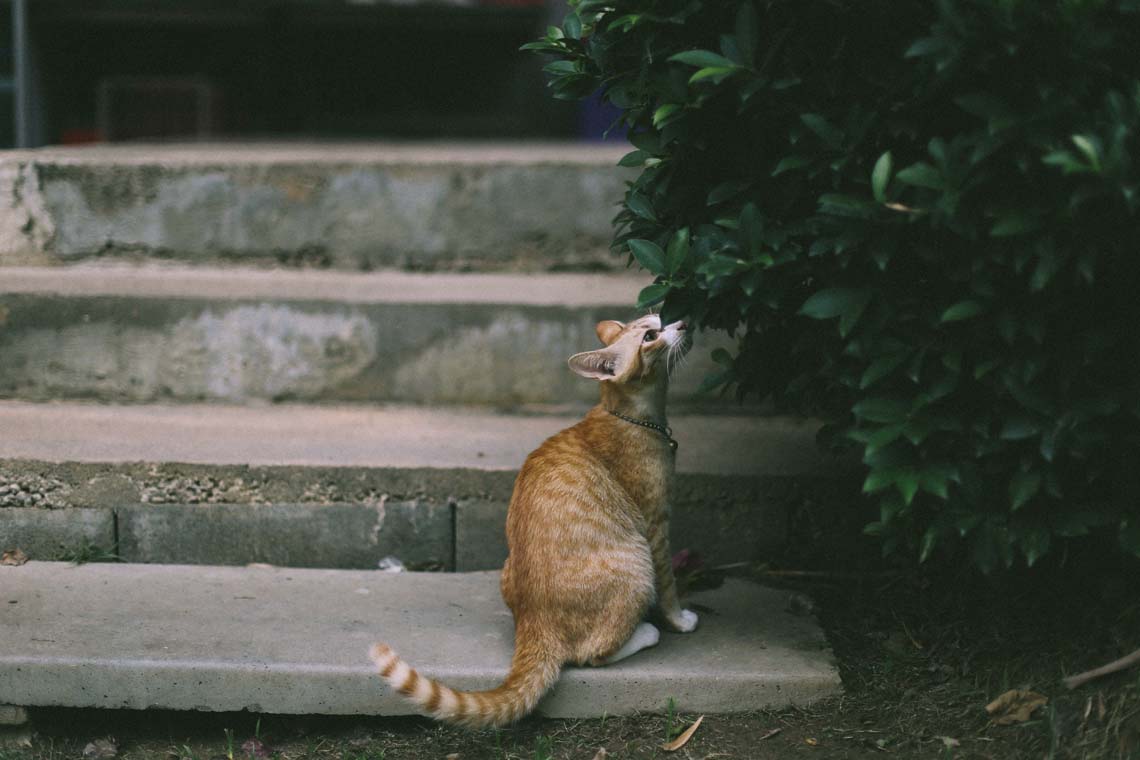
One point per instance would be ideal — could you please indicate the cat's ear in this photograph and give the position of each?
(597, 365)
(609, 330)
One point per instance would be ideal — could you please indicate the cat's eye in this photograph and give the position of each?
(650, 336)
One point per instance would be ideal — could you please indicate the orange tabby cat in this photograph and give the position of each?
(587, 529)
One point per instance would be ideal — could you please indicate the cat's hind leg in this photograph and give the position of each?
(645, 635)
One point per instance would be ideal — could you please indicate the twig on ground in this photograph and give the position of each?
(1129, 660)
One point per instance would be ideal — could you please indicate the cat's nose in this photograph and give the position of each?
(680, 325)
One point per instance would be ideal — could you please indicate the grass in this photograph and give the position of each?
(86, 552)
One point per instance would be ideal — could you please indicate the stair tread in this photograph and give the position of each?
(221, 283)
(370, 436)
(513, 153)
(280, 640)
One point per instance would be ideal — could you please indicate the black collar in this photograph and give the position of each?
(664, 430)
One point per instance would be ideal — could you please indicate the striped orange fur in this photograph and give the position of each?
(587, 530)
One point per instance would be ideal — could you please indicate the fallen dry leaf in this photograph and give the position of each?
(18, 739)
(602, 754)
(452, 756)
(770, 734)
(1015, 706)
(256, 749)
(683, 739)
(13, 558)
(811, 741)
(101, 749)
(950, 741)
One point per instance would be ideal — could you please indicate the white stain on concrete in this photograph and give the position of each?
(267, 351)
(26, 227)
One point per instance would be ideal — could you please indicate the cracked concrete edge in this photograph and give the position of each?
(325, 517)
(371, 207)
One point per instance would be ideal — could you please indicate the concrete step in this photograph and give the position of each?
(350, 206)
(146, 333)
(346, 486)
(295, 642)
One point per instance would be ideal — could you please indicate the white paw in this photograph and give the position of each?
(686, 621)
(645, 635)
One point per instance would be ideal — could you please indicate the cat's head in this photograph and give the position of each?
(638, 352)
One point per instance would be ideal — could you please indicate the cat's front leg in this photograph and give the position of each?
(678, 619)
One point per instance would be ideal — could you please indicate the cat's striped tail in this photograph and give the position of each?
(533, 670)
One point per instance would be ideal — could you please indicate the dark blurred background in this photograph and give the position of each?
(90, 71)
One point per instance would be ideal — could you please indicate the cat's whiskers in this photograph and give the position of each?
(676, 354)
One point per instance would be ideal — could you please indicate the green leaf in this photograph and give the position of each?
(640, 206)
(712, 381)
(677, 251)
(1035, 543)
(788, 163)
(826, 131)
(925, 46)
(649, 255)
(935, 479)
(882, 410)
(880, 175)
(715, 73)
(653, 294)
(1015, 224)
(633, 158)
(702, 59)
(845, 205)
(572, 25)
(1023, 487)
(880, 368)
(879, 478)
(884, 436)
(907, 483)
(1069, 163)
(1090, 147)
(835, 302)
(929, 541)
(921, 175)
(962, 310)
(625, 23)
(727, 190)
(663, 113)
(542, 46)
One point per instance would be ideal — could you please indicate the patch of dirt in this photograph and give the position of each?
(921, 654)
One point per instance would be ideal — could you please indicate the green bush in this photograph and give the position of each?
(921, 221)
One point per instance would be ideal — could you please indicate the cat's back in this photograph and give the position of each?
(563, 462)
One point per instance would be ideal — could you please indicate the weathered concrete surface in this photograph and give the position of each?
(738, 479)
(152, 333)
(295, 641)
(290, 535)
(373, 437)
(56, 533)
(726, 518)
(731, 519)
(350, 206)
